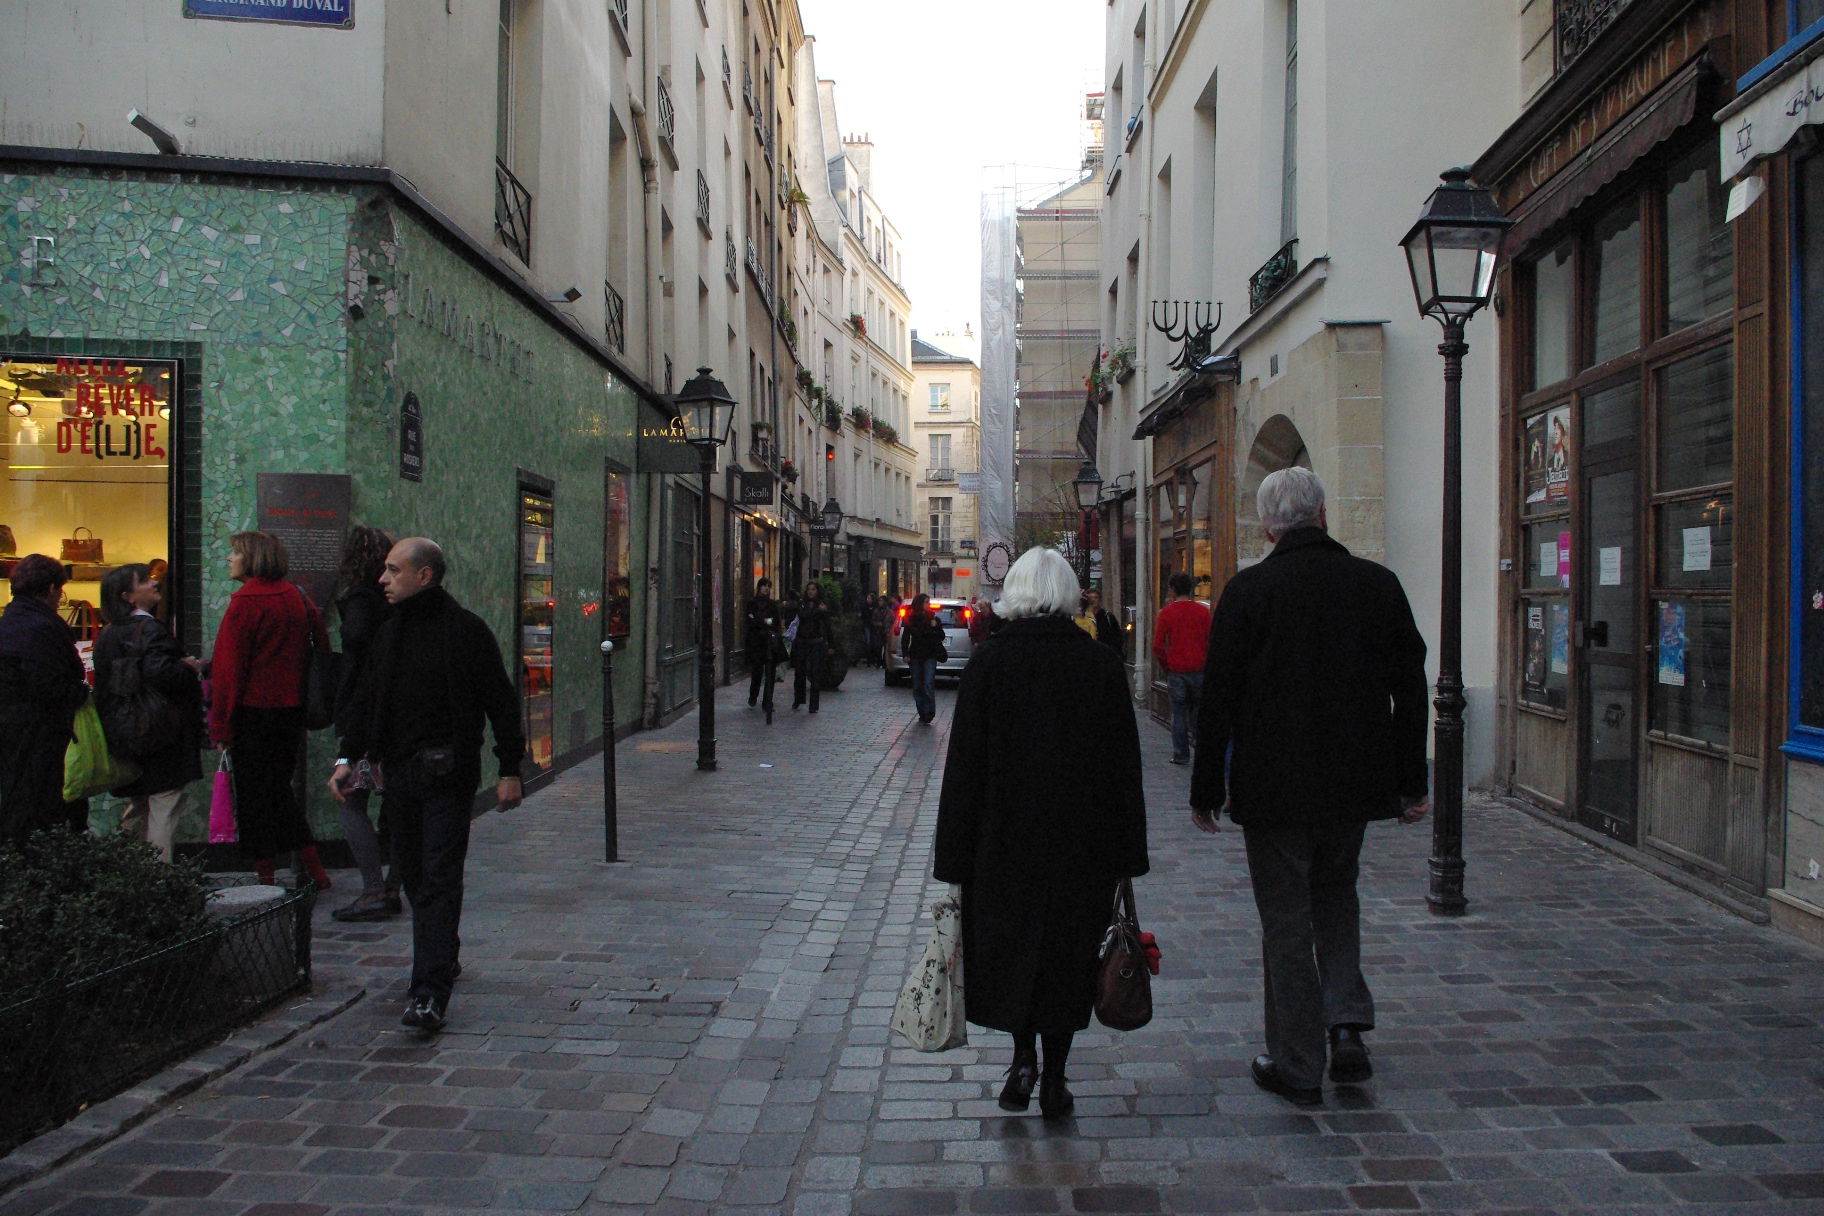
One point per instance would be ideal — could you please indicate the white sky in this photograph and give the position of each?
(950, 91)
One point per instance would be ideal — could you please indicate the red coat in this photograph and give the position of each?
(262, 652)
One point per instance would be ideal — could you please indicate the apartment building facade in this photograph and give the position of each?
(946, 432)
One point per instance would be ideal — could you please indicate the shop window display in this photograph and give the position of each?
(88, 451)
(537, 607)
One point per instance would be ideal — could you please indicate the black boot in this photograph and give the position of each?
(1055, 1101)
(1016, 1095)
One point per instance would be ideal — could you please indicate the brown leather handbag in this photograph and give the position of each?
(1124, 987)
(80, 548)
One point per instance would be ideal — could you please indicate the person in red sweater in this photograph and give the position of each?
(1181, 642)
(256, 709)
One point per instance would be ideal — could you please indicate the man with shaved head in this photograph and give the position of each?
(433, 673)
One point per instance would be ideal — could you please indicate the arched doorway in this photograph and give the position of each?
(1277, 445)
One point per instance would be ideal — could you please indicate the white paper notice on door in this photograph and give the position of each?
(1548, 559)
(1609, 565)
(1697, 548)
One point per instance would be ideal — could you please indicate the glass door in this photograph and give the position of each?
(1608, 637)
(537, 608)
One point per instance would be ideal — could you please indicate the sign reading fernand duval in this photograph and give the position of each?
(339, 14)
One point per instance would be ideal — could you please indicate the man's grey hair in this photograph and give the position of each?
(1291, 498)
(1041, 583)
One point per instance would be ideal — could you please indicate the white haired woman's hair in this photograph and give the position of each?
(1041, 583)
(1291, 498)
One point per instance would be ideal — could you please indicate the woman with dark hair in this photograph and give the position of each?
(362, 606)
(41, 688)
(1041, 817)
(762, 619)
(256, 709)
(134, 636)
(808, 646)
(920, 640)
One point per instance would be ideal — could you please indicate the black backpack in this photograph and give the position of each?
(139, 720)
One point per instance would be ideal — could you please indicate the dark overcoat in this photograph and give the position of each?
(164, 669)
(41, 688)
(1316, 676)
(1041, 815)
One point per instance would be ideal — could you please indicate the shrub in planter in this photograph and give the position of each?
(845, 631)
(71, 905)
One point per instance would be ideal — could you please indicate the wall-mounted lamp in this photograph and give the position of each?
(161, 139)
(568, 295)
(1115, 490)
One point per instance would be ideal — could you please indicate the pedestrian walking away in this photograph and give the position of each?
(137, 654)
(1105, 628)
(1316, 679)
(809, 646)
(41, 688)
(1040, 818)
(921, 641)
(1181, 638)
(433, 674)
(761, 645)
(362, 607)
(256, 706)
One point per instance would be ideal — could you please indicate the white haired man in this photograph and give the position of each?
(1312, 725)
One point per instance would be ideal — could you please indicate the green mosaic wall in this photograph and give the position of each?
(292, 380)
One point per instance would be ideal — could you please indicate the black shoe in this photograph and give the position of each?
(365, 907)
(1181, 759)
(1017, 1093)
(797, 705)
(751, 702)
(394, 904)
(425, 1014)
(1266, 1075)
(1055, 1101)
(1349, 1063)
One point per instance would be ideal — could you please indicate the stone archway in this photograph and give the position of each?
(1277, 445)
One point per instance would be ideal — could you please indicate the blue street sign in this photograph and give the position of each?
(339, 14)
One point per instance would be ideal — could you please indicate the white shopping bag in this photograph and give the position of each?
(929, 1013)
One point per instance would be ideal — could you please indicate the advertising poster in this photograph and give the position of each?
(308, 512)
(1672, 641)
(1561, 638)
(1547, 461)
(1535, 658)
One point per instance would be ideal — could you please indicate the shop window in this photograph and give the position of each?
(1808, 469)
(1700, 249)
(1690, 678)
(537, 610)
(1546, 549)
(89, 445)
(1611, 413)
(1546, 652)
(1696, 416)
(617, 556)
(1553, 285)
(1615, 328)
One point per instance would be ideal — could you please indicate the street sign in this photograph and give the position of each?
(411, 439)
(968, 483)
(336, 14)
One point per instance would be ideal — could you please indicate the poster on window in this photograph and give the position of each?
(1672, 644)
(1561, 638)
(1535, 654)
(1547, 464)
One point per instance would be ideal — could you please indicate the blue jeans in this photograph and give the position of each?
(924, 687)
(1186, 691)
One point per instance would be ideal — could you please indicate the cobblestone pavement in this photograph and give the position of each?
(702, 1028)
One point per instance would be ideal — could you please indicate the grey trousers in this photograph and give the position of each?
(1310, 940)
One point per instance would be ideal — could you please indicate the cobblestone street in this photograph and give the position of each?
(702, 1027)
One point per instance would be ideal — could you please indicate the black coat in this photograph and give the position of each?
(1109, 632)
(1316, 675)
(757, 634)
(41, 688)
(362, 610)
(922, 639)
(1041, 815)
(164, 669)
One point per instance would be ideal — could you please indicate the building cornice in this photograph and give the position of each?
(229, 170)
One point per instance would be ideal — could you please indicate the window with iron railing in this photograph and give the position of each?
(703, 201)
(1273, 274)
(940, 473)
(728, 71)
(614, 317)
(731, 260)
(668, 118)
(618, 10)
(512, 212)
(747, 87)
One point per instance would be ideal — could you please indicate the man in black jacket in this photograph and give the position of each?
(1316, 679)
(41, 688)
(433, 673)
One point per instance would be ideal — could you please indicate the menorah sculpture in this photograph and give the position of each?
(1189, 322)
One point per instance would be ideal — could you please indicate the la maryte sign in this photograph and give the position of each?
(337, 14)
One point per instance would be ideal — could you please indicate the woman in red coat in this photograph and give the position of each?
(256, 710)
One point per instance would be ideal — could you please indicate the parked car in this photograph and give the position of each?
(954, 616)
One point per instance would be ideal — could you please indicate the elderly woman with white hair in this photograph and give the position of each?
(1040, 818)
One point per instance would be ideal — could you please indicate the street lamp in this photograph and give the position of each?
(1088, 482)
(1451, 254)
(708, 415)
(931, 573)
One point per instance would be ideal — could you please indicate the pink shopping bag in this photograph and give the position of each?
(221, 804)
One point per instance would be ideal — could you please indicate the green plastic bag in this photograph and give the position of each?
(88, 767)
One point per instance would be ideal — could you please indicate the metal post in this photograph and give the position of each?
(1446, 896)
(706, 633)
(611, 836)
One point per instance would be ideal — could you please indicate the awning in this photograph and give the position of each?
(1772, 110)
(1184, 392)
(1670, 107)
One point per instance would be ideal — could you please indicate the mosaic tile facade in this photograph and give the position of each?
(290, 305)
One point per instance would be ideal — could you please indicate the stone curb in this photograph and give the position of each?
(107, 1121)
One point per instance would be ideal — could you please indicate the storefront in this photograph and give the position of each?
(1191, 499)
(1769, 147)
(1636, 415)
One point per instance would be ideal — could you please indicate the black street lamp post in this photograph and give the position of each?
(1088, 482)
(708, 414)
(611, 836)
(1451, 253)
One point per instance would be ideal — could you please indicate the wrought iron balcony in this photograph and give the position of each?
(832, 417)
(703, 201)
(1578, 23)
(747, 87)
(940, 546)
(618, 8)
(668, 118)
(614, 316)
(941, 473)
(731, 260)
(1273, 274)
(728, 71)
(512, 212)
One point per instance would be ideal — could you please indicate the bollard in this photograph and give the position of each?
(610, 828)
